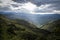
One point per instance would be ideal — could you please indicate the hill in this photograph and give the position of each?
(54, 28)
(19, 29)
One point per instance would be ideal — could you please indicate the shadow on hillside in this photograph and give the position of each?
(22, 30)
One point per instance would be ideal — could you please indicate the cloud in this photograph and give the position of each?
(4, 8)
(7, 5)
(21, 1)
(46, 9)
(17, 7)
(38, 2)
(55, 3)
(31, 6)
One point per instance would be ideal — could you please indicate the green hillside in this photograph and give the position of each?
(19, 29)
(54, 28)
(51, 26)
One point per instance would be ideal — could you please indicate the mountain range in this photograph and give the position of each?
(19, 29)
(37, 19)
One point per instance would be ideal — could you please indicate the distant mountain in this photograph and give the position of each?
(37, 19)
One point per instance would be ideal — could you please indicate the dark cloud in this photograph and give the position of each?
(5, 8)
(56, 6)
(20, 1)
(14, 5)
(0, 2)
(38, 2)
(55, 3)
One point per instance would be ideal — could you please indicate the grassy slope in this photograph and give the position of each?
(54, 28)
(22, 30)
(18, 30)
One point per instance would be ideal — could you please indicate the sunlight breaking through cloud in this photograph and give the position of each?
(28, 7)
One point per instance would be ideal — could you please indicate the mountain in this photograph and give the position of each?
(20, 29)
(52, 25)
(37, 19)
(54, 28)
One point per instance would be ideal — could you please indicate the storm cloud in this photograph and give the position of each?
(39, 2)
(55, 3)
(33, 6)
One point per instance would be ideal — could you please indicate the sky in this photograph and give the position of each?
(31, 6)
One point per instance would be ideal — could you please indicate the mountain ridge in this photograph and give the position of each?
(23, 30)
(37, 19)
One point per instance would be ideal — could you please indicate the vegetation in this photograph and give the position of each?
(22, 30)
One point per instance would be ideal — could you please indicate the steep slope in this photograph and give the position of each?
(54, 28)
(52, 25)
(19, 30)
(11, 30)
